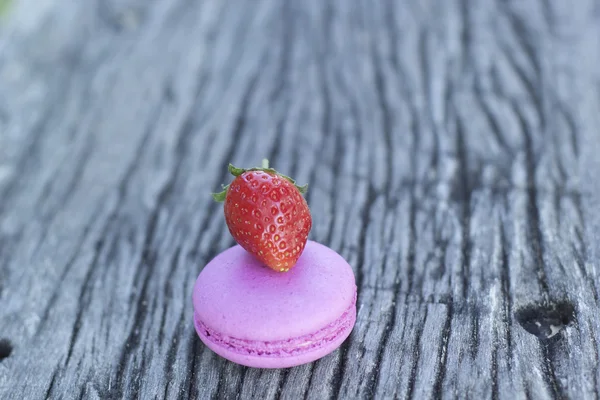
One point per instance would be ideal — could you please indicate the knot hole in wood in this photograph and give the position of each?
(5, 348)
(547, 320)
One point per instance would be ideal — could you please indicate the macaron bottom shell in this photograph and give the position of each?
(299, 351)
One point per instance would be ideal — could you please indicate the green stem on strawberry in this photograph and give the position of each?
(220, 197)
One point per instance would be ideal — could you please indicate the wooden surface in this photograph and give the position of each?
(453, 153)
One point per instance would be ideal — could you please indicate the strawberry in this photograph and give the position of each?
(267, 215)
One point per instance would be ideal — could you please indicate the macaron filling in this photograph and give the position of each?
(278, 348)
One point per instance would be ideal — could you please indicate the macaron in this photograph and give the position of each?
(257, 317)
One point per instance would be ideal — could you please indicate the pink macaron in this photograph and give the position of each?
(254, 316)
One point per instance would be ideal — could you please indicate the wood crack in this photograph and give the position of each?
(443, 353)
(534, 228)
(416, 356)
(465, 204)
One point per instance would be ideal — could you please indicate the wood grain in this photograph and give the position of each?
(452, 153)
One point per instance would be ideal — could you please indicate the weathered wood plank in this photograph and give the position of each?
(451, 148)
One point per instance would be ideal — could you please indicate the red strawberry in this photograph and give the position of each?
(267, 215)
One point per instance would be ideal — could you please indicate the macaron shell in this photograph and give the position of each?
(278, 362)
(244, 302)
(237, 296)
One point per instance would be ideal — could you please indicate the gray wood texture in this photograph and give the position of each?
(453, 153)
